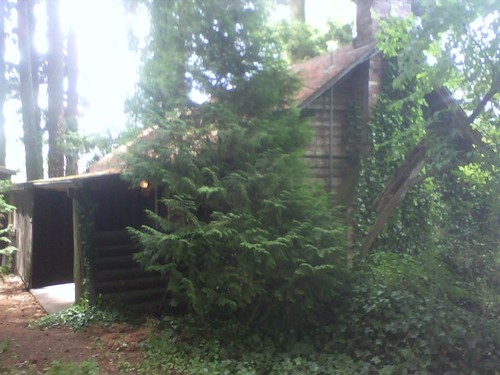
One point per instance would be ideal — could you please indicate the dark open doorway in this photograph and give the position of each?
(52, 238)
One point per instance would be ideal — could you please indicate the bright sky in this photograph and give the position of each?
(108, 68)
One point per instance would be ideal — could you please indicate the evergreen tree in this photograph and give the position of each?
(242, 230)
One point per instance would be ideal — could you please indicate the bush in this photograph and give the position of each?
(6, 248)
(402, 318)
(244, 232)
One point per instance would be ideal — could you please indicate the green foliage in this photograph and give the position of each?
(88, 367)
(342, 34)
(83, 314)
(77, 368)
(6, 248)
(396, 128)
(426, 301)
(94, 146)
(244, 231)
(452, 43)
(185, 345)
(301, 41)
(248, 245)
(401, 318)
(86, 212)
(211, 47)
(5, 345)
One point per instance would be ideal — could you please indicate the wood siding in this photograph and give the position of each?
(331, 114)
(21, 220)
(117, 276)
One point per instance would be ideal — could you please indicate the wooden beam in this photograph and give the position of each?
(78, 259)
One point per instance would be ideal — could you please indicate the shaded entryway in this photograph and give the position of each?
(52, 238)
(71, 229)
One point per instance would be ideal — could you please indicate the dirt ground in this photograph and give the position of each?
(116, 349)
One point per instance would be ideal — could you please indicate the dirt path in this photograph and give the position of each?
(116, 348)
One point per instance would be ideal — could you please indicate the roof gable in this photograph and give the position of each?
(322, 72)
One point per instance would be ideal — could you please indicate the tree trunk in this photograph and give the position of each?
(394, 192)
(35, 66)
(298, 10)
(55, 90)
(405, 176)
(72, 102)
(31, 125)
(3, 82)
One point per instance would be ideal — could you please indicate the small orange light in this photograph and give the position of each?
(144, 184)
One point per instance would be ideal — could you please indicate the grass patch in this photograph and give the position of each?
(5, 345)
(73, 368)
(58, 368)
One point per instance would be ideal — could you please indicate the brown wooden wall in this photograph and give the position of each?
(21, 220)
(339, 102)
(117, 205)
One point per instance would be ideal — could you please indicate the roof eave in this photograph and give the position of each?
(61, 183)
(338, 77)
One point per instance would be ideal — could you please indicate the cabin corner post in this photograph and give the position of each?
(78, 260)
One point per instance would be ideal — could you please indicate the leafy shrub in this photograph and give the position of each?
(83, 314)
(402, 317)
(244, 232)
(6, 248)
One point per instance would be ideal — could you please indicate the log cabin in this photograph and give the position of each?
(47, 223)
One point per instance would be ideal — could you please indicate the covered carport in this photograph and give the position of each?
(53, 249)
(45, 226)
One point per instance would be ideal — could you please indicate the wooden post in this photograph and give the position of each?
(78, 269)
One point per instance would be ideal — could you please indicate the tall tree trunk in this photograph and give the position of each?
(31, 125)
(55, 89)
(35, 66)
(3, 82)
(72, 102)
(298, 10)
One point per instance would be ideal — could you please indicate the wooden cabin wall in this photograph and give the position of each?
(21, 220)
(114, 274)
(118, 206)
(318, 152)
(340, 102)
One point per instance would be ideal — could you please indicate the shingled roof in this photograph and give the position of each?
(321, 72)
(317, 75)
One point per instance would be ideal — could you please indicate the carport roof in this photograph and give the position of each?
(63, 183)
